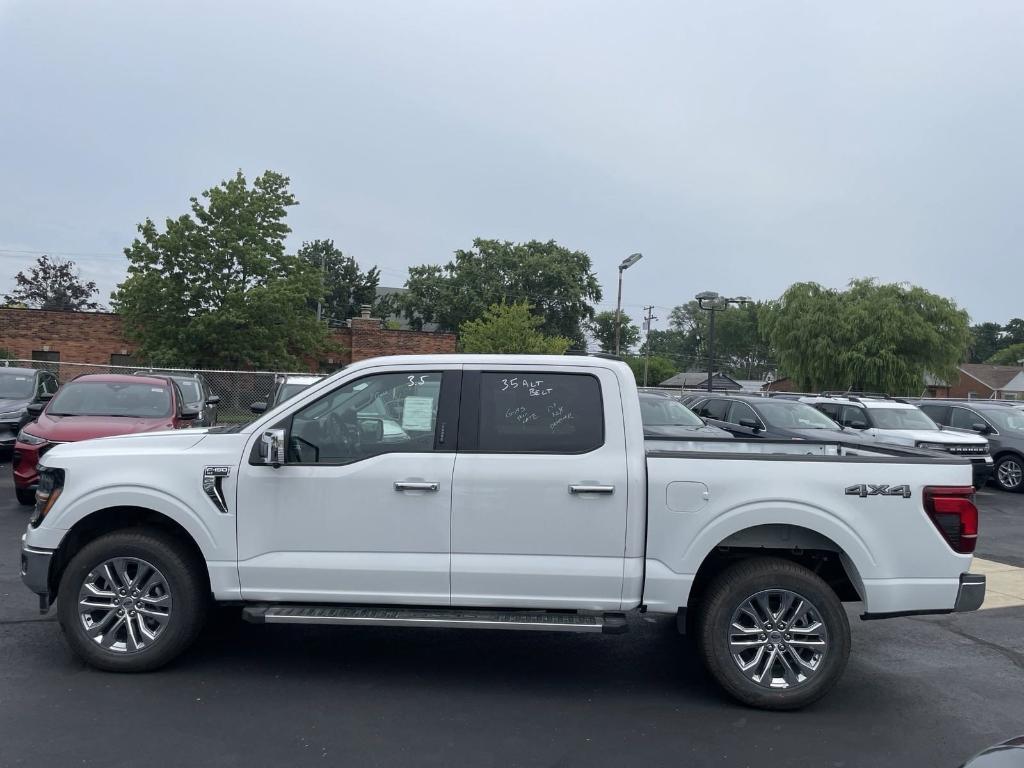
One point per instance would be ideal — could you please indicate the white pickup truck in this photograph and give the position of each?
(498, 492)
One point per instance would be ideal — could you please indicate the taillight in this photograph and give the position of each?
(952, 510)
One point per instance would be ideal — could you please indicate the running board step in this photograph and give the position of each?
(608, 623)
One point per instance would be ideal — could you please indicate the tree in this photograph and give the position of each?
(216, 289)
(870, 337)
(1011, 355)
(346, 287)
(985, 341)
(603, 329)
(1013, 332)
(740, 349)
(510, 329)
(659, 369)
(556, 282)
(52, 284)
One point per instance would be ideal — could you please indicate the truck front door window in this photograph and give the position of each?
(385, 413)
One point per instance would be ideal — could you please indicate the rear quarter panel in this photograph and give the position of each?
(896, 558)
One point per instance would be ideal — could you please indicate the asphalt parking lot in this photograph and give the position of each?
(918, 692)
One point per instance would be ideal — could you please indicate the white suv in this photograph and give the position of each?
(889, 420)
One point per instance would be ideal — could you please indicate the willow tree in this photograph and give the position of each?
(871, 337)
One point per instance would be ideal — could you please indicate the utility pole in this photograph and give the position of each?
(647, 351)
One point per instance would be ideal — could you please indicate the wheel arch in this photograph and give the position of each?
(119, 518)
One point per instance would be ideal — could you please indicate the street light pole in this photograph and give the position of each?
(627, 262)
(711, 302)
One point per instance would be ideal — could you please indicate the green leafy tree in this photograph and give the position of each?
(1011, 355)
(1013, 332)
(216, 289)
(986, 340)
(52, 284)
(346, 287)
(659, 369)
(602, 327)
(510, 329)
(556, 282)
(872, 337)
(740, 348)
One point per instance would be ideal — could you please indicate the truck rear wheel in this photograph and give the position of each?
(131, 601)
(773, 634)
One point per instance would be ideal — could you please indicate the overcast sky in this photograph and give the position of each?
(740, 146)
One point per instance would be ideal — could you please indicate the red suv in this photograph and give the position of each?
(95, 405)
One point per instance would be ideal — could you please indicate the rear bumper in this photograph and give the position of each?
(35, 572)
(969, 596)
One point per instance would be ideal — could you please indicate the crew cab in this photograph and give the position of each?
(513, 492)
(896, 421)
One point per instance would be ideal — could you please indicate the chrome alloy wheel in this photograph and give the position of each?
(777, 639)
(124, 604)
(1009, 474)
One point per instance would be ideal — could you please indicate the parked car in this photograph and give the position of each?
(522, 496)
(1001, 423)
(898, 422)
(1007, 754)
(20, 388)
(285, 388)
(95, 405)
(765, 417)
(196, 394)
(666, 417)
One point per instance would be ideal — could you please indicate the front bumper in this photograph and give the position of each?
(35, 572)
(25, 463)
(982, 469)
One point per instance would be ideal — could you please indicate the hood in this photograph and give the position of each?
(13, 403)
(674, 430)
(942, 436)
(68, 429)
(171, 440)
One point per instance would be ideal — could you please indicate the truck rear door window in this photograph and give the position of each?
(540, 412)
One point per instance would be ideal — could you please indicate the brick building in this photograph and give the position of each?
(98, 338)
(978, 380)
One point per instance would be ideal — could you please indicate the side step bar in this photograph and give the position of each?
(608, 623)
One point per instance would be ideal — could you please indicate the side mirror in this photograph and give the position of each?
(258, 407)
(272, 447)
(34, 409)
(46, 396)
(856, 424)
(371, 430)
(188, 414)
(213, 399)
(750, 424)
(981, 427)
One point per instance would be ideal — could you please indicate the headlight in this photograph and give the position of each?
(12, 415)
(29, 439)
(932, 446)
(51, 483)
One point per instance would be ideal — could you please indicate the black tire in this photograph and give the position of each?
(186, 583)
(25, 496)
(1006, 467)
(724, 596)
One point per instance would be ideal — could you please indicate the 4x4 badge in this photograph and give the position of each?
(868, 489)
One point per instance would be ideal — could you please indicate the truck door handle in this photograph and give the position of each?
(408, 485)
(607, 490)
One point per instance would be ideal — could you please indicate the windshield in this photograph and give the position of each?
(288, 391)
(900, 418)
(1011, 419)
(111, 398)
(16, 386)
(664, 412)
(189, 389)
(789, 414)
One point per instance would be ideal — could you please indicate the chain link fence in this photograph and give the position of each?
(236, 389)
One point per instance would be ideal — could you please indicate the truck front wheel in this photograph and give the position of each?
(131, 601)
(773, 634)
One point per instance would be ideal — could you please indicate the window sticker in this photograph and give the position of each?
(418, 414)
